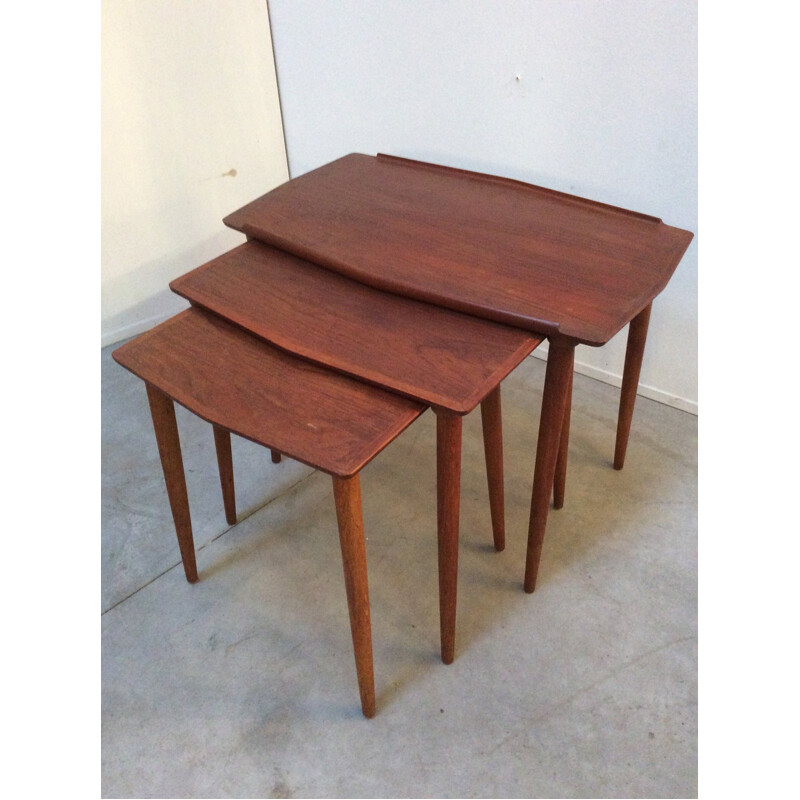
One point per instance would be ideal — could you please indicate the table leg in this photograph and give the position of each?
(276, 456)
(347, 494)
(222, 441)
(448, 492)
(634, 353)
(492, 421)
(560, 363)
(560, 480)
(162, 410)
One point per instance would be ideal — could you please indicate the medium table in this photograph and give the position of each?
(571, 269)
(442, 358)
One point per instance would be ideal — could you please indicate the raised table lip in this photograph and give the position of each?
(511, 183)
(321, 246)
(407, 410)
(365, 365)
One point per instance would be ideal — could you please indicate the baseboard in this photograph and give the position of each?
(650, 392)
(134, 329)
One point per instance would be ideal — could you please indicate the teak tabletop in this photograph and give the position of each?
(493, 247)
(431, 354)
(566, 267)
(319, 417)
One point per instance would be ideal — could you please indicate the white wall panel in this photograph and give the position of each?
(191, 131)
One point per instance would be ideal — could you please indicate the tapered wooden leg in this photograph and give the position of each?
(347, 493)
(560, 362)
(492, 420)
(634, 353)
(448, 493)
(222, 441)
(560, 480)
(276, 456)
(162, 410)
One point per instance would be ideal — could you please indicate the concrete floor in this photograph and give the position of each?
(243, 685)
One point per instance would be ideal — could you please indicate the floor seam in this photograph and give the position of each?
(211, 541)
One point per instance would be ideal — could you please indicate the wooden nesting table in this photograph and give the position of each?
(435, 356)
(322, 418)
(270, 335)
(374, 287)
(571, 269)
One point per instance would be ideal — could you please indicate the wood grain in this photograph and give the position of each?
(484, 245)
(233, 380)
(431, 354)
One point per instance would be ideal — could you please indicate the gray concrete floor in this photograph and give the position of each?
(243, 685)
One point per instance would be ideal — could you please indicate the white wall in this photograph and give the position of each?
(591, 97)
(191, 130)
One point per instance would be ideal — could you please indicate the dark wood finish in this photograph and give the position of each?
(347, 495)
(492, 422)
(322, 418)
(222, 443)
(560, 480)
(276, 456)
(448, 495)
(570, 268)
(560, 361)
(634, 353)
(165, 425)
(239, 383)
(430, 354)
(489, 246)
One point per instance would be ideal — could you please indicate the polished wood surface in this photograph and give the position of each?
(437, 356)
(431, 354)
(566, 267)
(386, 234)
(222, 374)
(489, 246)
(239, 383)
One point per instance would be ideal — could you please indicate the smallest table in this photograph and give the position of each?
(242, 385)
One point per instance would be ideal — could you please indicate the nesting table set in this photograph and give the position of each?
(373, 288)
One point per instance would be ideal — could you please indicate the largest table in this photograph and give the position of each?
(571, 269)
